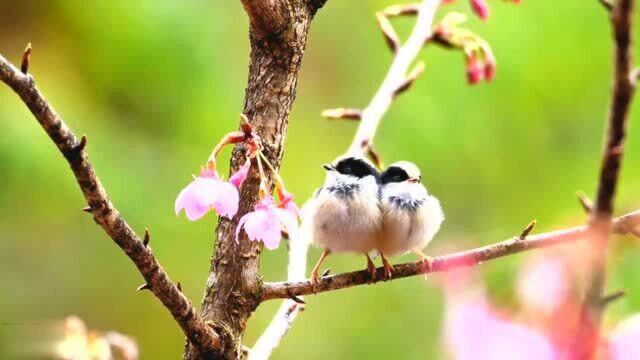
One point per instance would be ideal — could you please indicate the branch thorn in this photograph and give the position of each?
(179, 286)
(342, 113)
(326, 272)
(82, 144)
(147, 237)
(527, 230)
(144, 286)
(87, 209)
(26, 58)
(608, 299)
(586, 203)
(411, 78)
(297, 299)
(389, 34)
(607, 4)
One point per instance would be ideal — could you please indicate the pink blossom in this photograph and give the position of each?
(287, 203)
(208, 192)
(475, 332)
(239, 177)
(266, 223)
(544, 284)
(475, 71)
(480, 8)
(489, 70)
(623, 341)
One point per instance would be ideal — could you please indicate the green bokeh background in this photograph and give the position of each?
(155, 83)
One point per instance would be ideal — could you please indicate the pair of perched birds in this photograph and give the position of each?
(360, 210)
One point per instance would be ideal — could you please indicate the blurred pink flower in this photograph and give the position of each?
(543, 284)
(474, 332)
(239, 177)
(287, 203)
(624, 341)
(266, 223)
(208, 192)
(480, 8)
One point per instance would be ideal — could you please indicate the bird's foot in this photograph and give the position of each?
(388, 269)
(371, 267)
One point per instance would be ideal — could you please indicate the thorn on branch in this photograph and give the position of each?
(87, 209)
(585, 202)
(635, 76)
(608, 299)
(245, 126)
(607, 4)
(26, 58)
(342, 113)
(411, 78)
(83, 143)
(326, 272)
(179, 286)
(390, 35)
(297, 299)
(144, 286)
(147, 237)
(368, 148)
(527, 230)
(402, 10)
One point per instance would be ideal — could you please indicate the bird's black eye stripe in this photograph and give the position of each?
(356, 167)
(394, 174)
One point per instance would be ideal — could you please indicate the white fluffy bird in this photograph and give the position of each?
(345, 215)
(410, 216)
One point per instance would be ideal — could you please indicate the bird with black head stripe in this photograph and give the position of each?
(344, 214)
(410, 215)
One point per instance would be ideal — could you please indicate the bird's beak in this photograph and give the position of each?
(328, 167)
(413, 180)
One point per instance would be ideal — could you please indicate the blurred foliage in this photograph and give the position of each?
(155, 83)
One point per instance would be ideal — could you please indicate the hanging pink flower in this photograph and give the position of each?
(286, 202)
(266, 223)
(481, 8)
(207, 192)
(239, 177)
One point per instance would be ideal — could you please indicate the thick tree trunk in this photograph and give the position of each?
(278, 36)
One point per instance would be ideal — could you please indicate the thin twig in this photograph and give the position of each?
(290, 307)
(105, 214)
(587, 338)
(396, 77)
(280, 290)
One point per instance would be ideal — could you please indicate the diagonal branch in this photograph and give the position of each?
(396, 78)
(200, 335)
(621, 16)
(281, 290)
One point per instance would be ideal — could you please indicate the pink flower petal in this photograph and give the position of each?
(203, 194)
(239, 177)
(226, 200)
(623, 341)
(288, 220)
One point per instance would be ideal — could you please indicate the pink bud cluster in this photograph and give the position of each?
(210, 192)
(480, 66)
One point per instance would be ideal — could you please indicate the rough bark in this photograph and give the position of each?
(278, 36)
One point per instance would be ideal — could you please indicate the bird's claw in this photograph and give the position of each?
(373, 272)
(388, 269)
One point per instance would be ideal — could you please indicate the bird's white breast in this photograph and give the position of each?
(410, 217)
(345, 215)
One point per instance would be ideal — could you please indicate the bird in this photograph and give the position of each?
(344, 215)
(410, 215)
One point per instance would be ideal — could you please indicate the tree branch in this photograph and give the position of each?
(600, 220)
(105, 214)
(396, 79)
(281, 290)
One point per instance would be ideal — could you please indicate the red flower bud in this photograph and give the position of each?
(475, 70)
(480, 8)
(489, 70)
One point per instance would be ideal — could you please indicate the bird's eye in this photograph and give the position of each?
(397, 178)
(346, 169)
